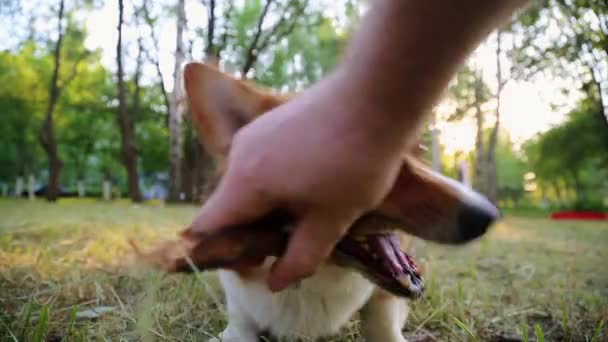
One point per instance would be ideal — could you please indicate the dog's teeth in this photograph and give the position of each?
(405, 280)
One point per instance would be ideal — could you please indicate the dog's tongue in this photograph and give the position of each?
(380, 258)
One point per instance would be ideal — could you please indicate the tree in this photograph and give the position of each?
(292, 39)
(510, 169)
(47, 132)
(22, 92)
(176, 109)
(568, 38)
(126, 124)
(468, 94)
(492, 184)
(570, 155)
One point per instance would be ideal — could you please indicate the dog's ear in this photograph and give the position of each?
(221, 104)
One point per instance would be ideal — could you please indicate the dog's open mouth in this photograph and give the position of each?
(379, 258)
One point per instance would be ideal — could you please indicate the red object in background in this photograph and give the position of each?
(579, 215)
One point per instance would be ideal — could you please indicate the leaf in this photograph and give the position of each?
(95, 312)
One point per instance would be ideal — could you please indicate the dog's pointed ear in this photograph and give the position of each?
(222, 104)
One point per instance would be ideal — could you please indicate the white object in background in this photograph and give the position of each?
(106, 190)
(4, 189)
(80, 187)
(19, 186)
(30, 187)
(465, 173)
(436, 153)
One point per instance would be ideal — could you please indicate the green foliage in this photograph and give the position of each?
(22, 96)
(85, 119)
(561, 36)
(511, 168)
(572, 154)
(467, 91)
(306, 55)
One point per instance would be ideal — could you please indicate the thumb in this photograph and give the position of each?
(229, 204)
(311, 243)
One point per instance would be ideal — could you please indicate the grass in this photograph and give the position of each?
(65, 274)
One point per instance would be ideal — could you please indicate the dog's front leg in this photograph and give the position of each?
(383, 317)
(240, 328)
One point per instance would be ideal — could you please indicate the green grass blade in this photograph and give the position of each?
(42, 324)
(26, 322)
(540, 336)
(597, 331)
(565, 318)
(465, 328)
(71, 322)
(524, 331)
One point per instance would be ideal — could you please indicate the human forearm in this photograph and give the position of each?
(405, 53)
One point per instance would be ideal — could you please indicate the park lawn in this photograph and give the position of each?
(65, 273)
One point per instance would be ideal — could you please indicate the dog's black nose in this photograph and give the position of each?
(475, 217)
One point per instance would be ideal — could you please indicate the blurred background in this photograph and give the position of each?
(524, 121)
(97, 144)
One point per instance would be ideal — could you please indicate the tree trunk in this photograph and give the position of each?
(558, 191)
(47, 133)
(435, 152)
(176, 139)
(251, 56)
(479, 180)
(155, 61)
(492, 176)
(602, 114)
(107, 190)
(19, 186)
(577, 186)
(128, 148)
(210, 54)
(30, 187)
(80, 188)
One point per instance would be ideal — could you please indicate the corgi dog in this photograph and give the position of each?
(369, 273)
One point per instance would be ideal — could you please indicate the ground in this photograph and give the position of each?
(65, 273)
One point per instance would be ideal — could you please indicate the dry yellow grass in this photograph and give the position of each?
(65, 275)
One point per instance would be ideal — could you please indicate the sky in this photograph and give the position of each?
(525, 106)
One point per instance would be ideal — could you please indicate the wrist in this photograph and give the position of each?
(390, 122)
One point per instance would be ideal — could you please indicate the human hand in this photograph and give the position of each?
(312, 157)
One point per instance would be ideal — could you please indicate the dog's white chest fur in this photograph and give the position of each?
(318, 306)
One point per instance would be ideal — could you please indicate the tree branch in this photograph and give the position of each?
(226, 33)
(149, 21)
(252, 53)
(274, 36)
(210, 49)
(73, 72)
